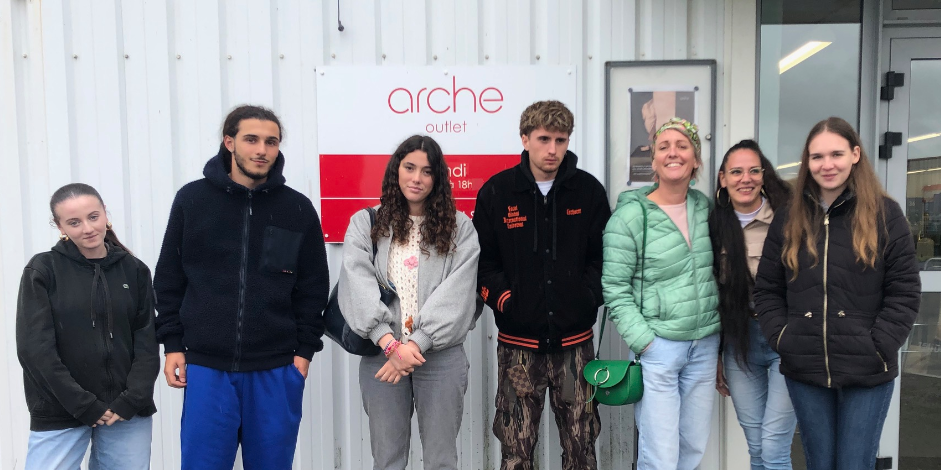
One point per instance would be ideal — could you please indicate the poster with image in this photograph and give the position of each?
(648, 111)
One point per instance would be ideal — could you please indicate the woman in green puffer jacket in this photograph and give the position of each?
(658, 282)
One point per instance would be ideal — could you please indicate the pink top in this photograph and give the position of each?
(677, 213)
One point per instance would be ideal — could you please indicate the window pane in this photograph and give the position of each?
(807, 72)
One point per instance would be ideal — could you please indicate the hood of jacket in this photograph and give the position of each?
(217, 172)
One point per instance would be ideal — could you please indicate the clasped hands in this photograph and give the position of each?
(401, 362)
(108, 419)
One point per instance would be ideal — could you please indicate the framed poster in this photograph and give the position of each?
(639, 97)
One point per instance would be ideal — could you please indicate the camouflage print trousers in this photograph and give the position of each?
(521, 397)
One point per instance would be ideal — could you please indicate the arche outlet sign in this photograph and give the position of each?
(364, 113)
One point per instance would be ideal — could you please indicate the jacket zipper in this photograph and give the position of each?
(545, 214)
(692, 258)
(826, 252)
(243, 274)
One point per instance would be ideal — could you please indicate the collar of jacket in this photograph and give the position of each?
(215, 172)
(765, 213)
(525, 181)
(846, 196)
(69, 250)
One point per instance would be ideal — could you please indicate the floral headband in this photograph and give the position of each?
(684, 127)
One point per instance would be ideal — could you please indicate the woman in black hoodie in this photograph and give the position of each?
(85, 338)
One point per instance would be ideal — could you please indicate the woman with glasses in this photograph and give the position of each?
(749, 194)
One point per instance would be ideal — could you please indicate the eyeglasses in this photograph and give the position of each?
(755, 172)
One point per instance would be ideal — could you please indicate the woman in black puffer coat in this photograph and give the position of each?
(837, 292)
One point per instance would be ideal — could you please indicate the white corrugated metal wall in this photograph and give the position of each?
(128, 96)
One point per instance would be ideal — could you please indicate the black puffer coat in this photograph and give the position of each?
(840, 324)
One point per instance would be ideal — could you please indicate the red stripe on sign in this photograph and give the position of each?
(349, 183)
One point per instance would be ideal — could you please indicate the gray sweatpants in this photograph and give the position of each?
(435, 390)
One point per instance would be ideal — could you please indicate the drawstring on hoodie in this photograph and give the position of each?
(102, 295)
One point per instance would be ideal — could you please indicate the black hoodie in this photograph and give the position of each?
(540, 258)
(242, 278)
(85, 337)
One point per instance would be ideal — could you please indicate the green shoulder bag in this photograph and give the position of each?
(618, 382)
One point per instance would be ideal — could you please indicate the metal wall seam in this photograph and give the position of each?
(129, 97)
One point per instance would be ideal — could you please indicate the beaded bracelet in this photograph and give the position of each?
(392, 346)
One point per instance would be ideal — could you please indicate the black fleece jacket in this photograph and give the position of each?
(85, 337)
(242, 278)
(540, 256)
(840, 323)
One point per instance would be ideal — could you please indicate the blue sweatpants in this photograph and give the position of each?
(260, 410)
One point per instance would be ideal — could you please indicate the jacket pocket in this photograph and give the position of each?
(280, 250)
(777, 346)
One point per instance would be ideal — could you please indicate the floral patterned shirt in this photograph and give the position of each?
(403, 273)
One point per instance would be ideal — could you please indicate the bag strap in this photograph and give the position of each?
(643, 255)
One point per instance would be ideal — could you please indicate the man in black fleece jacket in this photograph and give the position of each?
(241, 285)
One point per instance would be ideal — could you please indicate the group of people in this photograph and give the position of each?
(794, 300)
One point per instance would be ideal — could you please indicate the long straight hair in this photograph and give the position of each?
(733, 276)
(74, 190)
(805, 215)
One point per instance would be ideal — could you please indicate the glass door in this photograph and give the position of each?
(913, 178)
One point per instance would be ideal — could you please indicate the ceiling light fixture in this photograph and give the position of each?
(801, 54)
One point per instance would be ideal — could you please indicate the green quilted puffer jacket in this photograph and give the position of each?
(680, 296)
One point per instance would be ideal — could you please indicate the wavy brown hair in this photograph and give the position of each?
(440, 222)
(806, 215)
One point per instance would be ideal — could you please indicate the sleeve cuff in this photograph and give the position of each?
(421, 339)
(123, 408)
(172, 344)
(642, 342)
(93, 413)
(378, 332)
(307, 350)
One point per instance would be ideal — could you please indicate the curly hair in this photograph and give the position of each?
(551, 115)
(440, 223)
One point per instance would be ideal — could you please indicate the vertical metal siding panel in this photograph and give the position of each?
(38, 235)
(56, 60)
(518, 21)
(494, 31)
(541, 22)
(141, 196)
(83, 92)
(12, 259)
(107, 146)
(339, 46)
(184, 64)
(211, 61)
(466, 24)
(415, 39)
(364, 36)
(675, 28)
(392, 39)
(442, 30)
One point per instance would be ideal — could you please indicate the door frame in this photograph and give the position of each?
(893, 174)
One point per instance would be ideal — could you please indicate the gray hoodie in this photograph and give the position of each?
(448, 305)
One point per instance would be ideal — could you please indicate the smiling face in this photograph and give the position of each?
(254, 151)
(416, 180)
(830, 161)
(83, 220)
(674, 158)
(742, 176)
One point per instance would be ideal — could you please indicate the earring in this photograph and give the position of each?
(108, 225)
(63, 237)
(719, 198)
(763, 193)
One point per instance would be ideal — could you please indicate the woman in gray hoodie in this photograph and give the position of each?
(427, 252)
